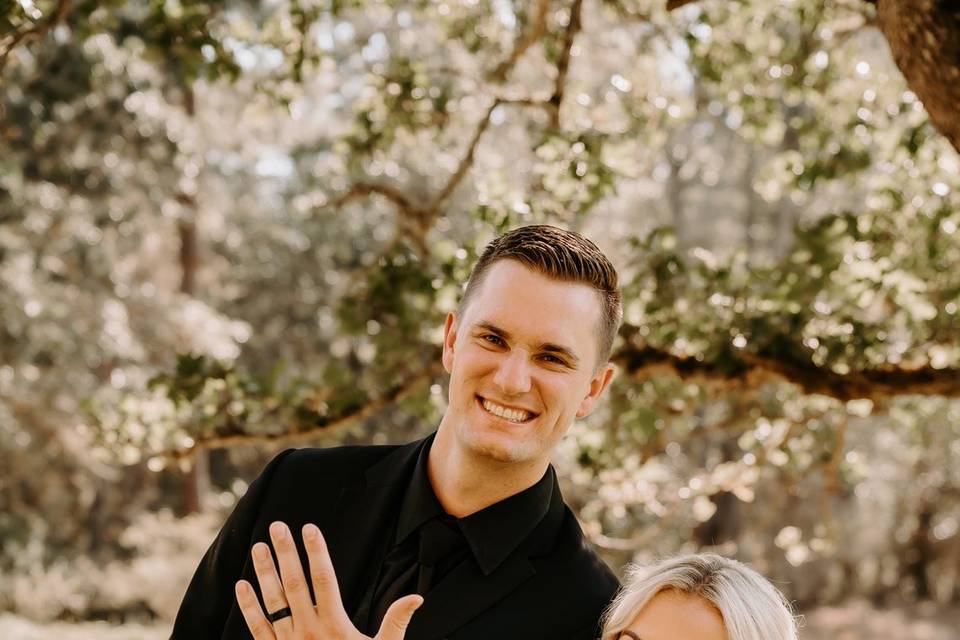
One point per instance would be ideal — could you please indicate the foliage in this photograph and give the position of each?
(243, 223)
(163, 553)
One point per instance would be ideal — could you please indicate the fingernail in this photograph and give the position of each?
(311, 532)
(278, 530)
(260, 550)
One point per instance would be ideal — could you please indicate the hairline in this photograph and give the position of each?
(600, 360)
(720, 581)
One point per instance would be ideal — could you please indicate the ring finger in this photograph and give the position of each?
(270, 587)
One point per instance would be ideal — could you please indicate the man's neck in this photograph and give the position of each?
(466, 483)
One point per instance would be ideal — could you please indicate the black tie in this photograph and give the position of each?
(408, 569)
(439, 539)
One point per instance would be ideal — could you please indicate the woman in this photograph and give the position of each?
(698, 597)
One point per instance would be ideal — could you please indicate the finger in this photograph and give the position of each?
(270, 587)
(291, 575)
(397, 618)
(260, 627)
(324, 578)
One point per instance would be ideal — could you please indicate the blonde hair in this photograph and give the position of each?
(752, 608)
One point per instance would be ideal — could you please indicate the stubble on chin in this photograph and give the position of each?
(483, 448)
(486, 445)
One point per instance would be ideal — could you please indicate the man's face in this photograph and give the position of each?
(522, 364)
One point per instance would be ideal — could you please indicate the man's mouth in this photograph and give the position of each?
(510, 414)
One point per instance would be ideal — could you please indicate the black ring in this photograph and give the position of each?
(279, 615)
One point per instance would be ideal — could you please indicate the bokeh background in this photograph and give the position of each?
(231, 227)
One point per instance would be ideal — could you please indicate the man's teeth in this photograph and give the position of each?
(513, 415)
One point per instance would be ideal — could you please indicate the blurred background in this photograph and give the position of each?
(231, 227)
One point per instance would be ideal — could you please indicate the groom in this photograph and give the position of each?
(471, 518)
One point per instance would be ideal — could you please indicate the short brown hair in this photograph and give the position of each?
(562, 255)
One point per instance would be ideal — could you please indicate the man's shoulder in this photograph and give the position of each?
(567, 593)
(578, 558)
(313, 478)
(333, 461)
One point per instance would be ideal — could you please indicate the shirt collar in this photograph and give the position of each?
(419, 502)
(492, 533)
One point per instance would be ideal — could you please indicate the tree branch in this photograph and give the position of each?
(420, 219)
(53, 431)
(646, 535)
(751, 370)
(324, 425)
(364, 189)
(525, 101)
(563, 62)
(465, 162)
(537, 28)
(35, 31)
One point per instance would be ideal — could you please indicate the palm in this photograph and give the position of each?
(327, 619)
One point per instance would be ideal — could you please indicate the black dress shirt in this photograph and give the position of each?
(428, 543)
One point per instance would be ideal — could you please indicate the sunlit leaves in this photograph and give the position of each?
(572, 174)
(843, 299)
(398, 98)
(812, 225)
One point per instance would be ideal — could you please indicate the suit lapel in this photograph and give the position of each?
(365, 513)
(464, 594)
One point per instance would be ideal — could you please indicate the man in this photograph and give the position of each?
(471, 518)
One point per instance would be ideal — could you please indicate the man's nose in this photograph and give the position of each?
(513, 374)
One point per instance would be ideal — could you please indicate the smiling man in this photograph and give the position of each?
(471, 518)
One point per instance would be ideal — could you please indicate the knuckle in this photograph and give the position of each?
(322, 579)
(261, 628)
(295, 583)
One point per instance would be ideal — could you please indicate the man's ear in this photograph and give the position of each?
(598, 384)
(449, 339)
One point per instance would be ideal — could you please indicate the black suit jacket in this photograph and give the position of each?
(551, 587)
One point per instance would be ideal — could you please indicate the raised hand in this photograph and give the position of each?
(287, 597)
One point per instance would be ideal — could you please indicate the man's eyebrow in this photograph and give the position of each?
(629, 634)
(556, 348)
(492, 328)
(548, 347)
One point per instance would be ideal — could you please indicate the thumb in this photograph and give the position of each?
(397, 618)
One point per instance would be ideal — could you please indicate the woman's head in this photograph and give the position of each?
(698, 597)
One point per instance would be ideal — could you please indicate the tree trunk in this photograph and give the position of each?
(750, 216)
(725, 523)
(197, 478)
(919, 553)
(924, 37)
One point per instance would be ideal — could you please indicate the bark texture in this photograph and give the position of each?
(924, 37)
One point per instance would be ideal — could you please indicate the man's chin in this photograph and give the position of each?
(498, 447)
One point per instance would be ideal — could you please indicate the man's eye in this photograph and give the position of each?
(492, 339)
(554, 360)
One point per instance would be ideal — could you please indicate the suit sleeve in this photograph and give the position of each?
(210, 595)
